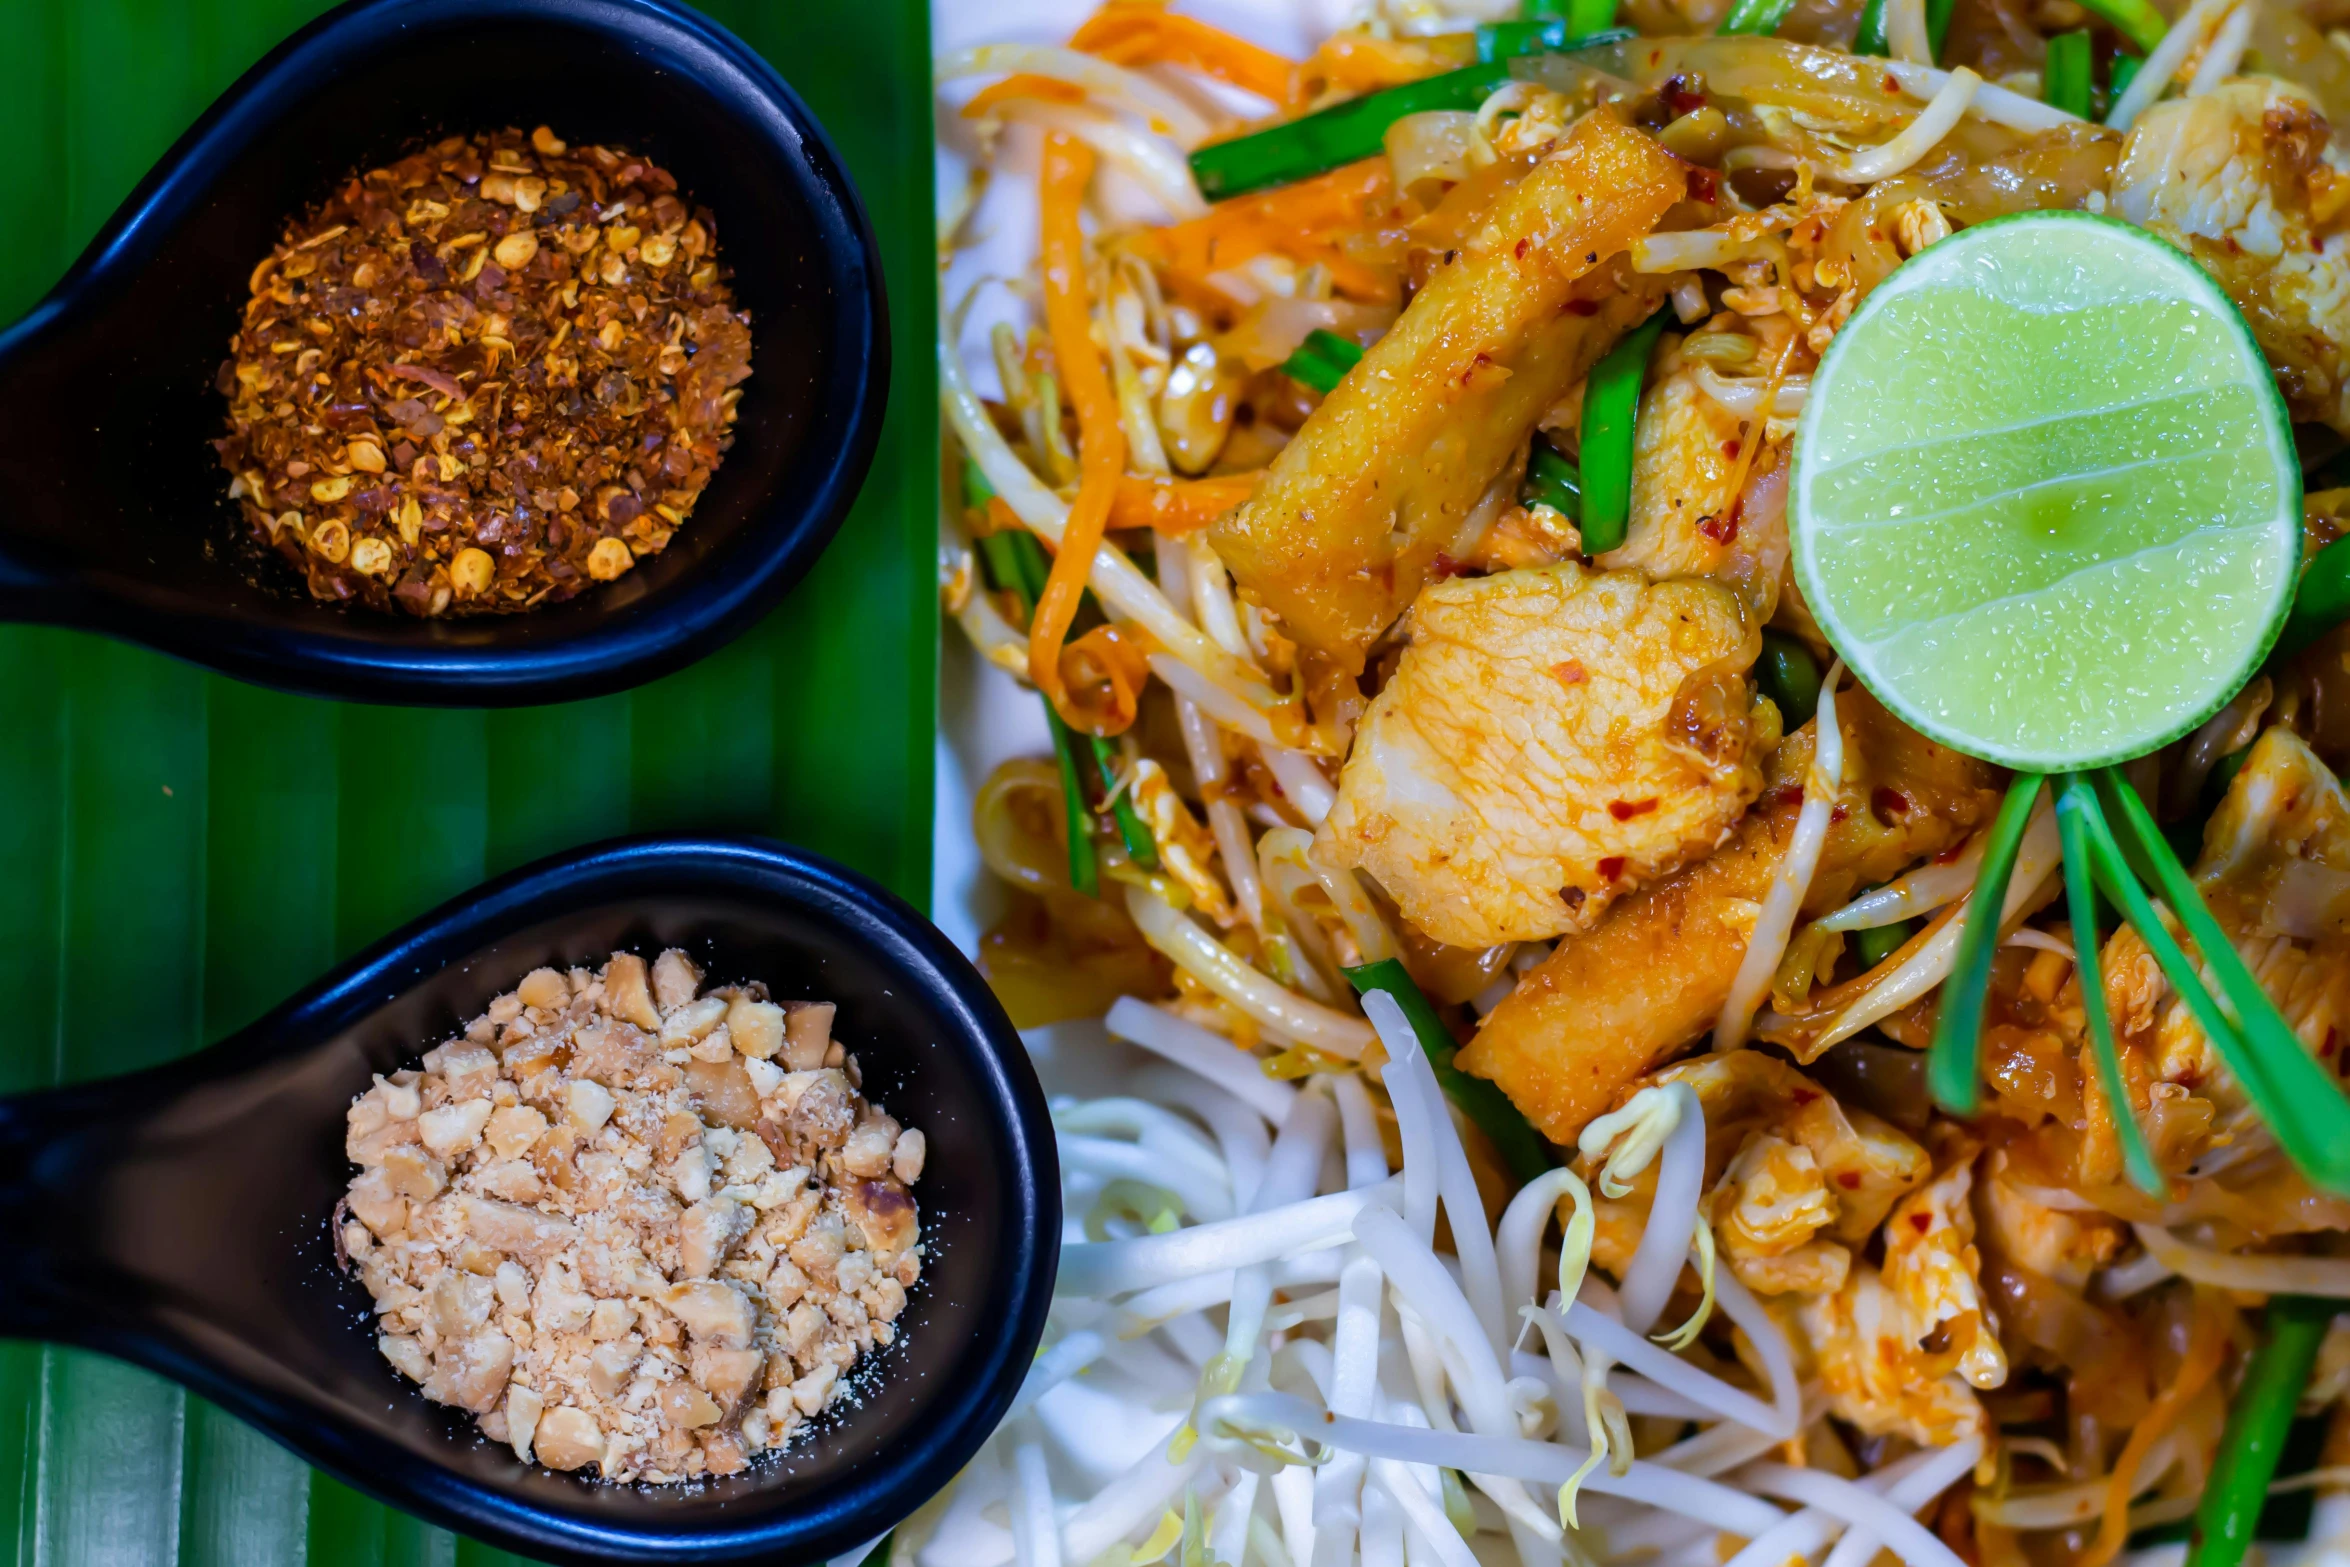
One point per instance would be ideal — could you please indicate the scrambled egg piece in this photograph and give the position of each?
(1550, 739)
(1899, 1349)
(1685, 520)
(2245, 179)
(2058, 1244)
(1650, 977)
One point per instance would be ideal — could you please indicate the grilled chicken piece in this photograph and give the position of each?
(1650, 977)
(1551, 739)
(2245, 179)
(1380, 480)
(1685, 522)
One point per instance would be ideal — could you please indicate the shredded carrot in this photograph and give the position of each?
(1101, 443)
(1023, 84)
(1105, 671)
(2207, 1343)
(1139, 32)
(1176, 507)
(1308, 222)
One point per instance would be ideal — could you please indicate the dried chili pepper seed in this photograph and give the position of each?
(440, 359)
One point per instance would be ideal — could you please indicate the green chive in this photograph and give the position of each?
(1552, 481)
(2080, 890)
(1871, 37)
(1759, 17)
(2274, 1380)
(2064, 79)
(1141, 847)
(1341, 134)
(1879, 942)
(1547, 35)
(2323, 600)
(1322, 361)
(1952, 1071)
(2136, 20)
(1938, 24)
(1542, 10)
(1520, 1146)
(1790, 677)
(1611, 413)
(2304, 1104)
(1586, 17)
(2117, 80)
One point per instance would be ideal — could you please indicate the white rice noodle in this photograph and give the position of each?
(1921, 891)
(1471, 1232)
(1992, 102)
(1672, 1214)
(2325, 1277)
(1743, 395)
(1196, 1049)
(2037, 858)
(1036, 1534)
(2069, 1506)
(1152, 161)
(2037, 940)
(1543, 1463)
(1111, 86)
(1917, 138)
(1276, 1007)
(1431, 146)
(1776, 922)
(1105, 1268)
(2164, 60)
(1858, 1505)
(1302, 783)
(2226, 53)
(1122, 587)
(1906, 35)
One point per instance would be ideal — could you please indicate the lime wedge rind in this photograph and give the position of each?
(2021, 642)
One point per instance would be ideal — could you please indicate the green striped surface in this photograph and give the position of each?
(178, 851)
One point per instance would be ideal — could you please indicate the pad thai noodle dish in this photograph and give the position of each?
(1675, 841)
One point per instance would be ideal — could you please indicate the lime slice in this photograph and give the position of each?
(2045, 501)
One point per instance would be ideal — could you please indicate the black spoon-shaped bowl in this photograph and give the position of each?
(117, 518)
(180, 1218)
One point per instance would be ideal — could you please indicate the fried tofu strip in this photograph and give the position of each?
(1340, 537)
(1650, 977)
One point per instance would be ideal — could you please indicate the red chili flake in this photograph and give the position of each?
(1625, 810)
(1921, 1222)
(1703, 186)
(1888, 804)
(1443, 566)
(1788, 794)
(1570, 673)
(1892, 85)
(1581, 307)
(1723, 529)
(1611, 867)
(1524, 245)
(2332, 1039)
(1839, 814)
(1848, 1179)
(1681, 95)
(1803, 1096)
(1730, 448)
(1951, 855)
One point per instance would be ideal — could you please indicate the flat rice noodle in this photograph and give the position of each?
(1355, 510)
(1647, 981)
(1823, 82)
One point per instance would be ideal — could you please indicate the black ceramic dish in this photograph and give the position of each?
(117, 519)
(179, 1218)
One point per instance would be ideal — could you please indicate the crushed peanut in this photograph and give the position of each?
(632, 1226)
(499, 350)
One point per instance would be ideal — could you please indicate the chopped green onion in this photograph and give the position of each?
(2136, 20)
(2118, 78)
(1552, 481)
(1520, 1146)
(1871, 37)
(1790, 677)
(1951, 1068)
(2274, 1380)
(1547, 35)
(2323, 600)
(2064, 78)
(1611, 413)
(1586, 17)
(1759, 17)
(1133, 831)
(1542, 10)
(2074, 803)
(1938, 24)
(2302, 1102)
(1016, 565)
(1322, 361)
(1341, 134)
(1879, 942)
